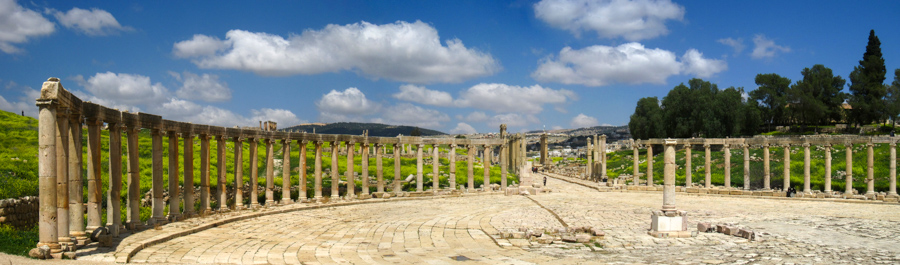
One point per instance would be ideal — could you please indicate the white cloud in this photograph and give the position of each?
(204, 87)
(765, 48)
(505, 98)
(26, 103)
(348, 105)
(513, 120)
(284, 118)
(463, 128)
(694, 63)
(187, 111)
(475, 116)
(629, 63)
(632, 20)
(18, 24)
(423, 95)
(736, 44)
(129, 89)
(582, 121)
(409, 114)
(94, 22)
(402, 51)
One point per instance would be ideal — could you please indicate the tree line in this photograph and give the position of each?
(701, 109)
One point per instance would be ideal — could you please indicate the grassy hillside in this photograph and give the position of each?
(357, 128)
(18, 155)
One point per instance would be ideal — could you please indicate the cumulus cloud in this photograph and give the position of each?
(204, 87)
(632, 20)
(94, 22)
(513, 120)
(402, 51)
(284, 117)
(463, 128)
(187, 111)
(409, 114)
(348, 105)
(765, 48)
(736, 44)
(423, 95)
(629, 63)
(19, 24)
(25, 102)
(503, 98)
(582, 121)
(475, 116)
(129, 89)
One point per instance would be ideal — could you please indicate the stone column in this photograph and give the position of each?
(469, 171)
(649, 165)
(746, 166)
(365, 168)
(870, 178)
(435, 168)
(787, 167)
(158, 203)
(603, 156)
(503, 161)
(397, 149)
(303, 175)
(707, 182)
(379, 169)
(221, 178)
(113, 201)
(62, 176)
(188, 174)
(95, 184)
(452, 156)
(828, 168)
(133, 204)
(254, 172)
(174, 192)
(892, 191)
(637, 169)
(545, 159)
(286, 171)
(669, 222)
(349, 173)
(419, 180)
(688, 179)
(848, 190)
(767, 177)
(238, 172)
(48, 231)
(76, 190)
(270, 172)
(669, 176)
(806, 188)
(486, 161)
(335, 177)
(204, 173)
(317, 174)
(588, 152)
(727, 149)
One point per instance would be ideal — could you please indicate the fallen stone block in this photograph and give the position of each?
(42, 252)
(704, 227)
(597, 232)
(720, 228)
(731, 231)
(518, 235)
(105, 240)
(69, 255)
(582, 238)
(569, 238)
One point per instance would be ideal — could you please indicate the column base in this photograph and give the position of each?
(157, 221)
(270, 202)
(669, 223)
(286, 201)
(174, 217)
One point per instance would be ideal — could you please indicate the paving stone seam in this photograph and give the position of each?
(548, 210)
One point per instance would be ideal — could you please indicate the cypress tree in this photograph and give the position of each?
(867, 85)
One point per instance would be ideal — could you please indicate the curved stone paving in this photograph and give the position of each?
(466, 230)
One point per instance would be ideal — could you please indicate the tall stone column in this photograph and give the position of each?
(849, 186)
(419, 178)
(787, 167)
(188, 174)
(435, 168)
(204, 174)
(486, 161)
(544, 157)
(767, 177)
(669, 222)
(221, 178)
(335, 177)
(76, 185)
(588, 152)
(270, 172)
(806, 187)
(95, 184)
(688, 181)
(62, 176)
(174, 192)
(286, 171)
(746, 166)
(636, 159)
(727, 149)
(317, 174)
(503, 161)
(133, 204)
(158, 203)
(649, 165)
(469, 171)
(254, 172)
(603, 156)
(365, 168)
(48, 231)
(892, 191)
(303, 174)
(870, 178)
(707, 182)
(452, 156)
(113, 199)
(379, 168)
(349, 173)
(238, 172)
(828, 168)
(397, 149)
(669, 176)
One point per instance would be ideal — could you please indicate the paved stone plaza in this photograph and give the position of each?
(466, 230)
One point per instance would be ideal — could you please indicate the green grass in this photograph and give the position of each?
(17, 241)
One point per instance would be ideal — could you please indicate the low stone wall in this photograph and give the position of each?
(19, 213)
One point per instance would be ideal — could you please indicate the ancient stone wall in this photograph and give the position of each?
(20, 213)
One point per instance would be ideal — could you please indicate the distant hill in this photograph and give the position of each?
(357, 128)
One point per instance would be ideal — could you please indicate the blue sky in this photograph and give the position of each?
(455, 66)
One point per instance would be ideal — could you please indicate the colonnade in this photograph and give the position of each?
(62, 116)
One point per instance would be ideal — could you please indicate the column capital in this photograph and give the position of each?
(870, 144)
(786, 145)
(154, 131)
(805, 145)
(827, 145)
(893, 144)
(687, 146)
(420, 145)
(237, 139)
(745, 145)
(452, 145)
(705, 145)
(726, 146)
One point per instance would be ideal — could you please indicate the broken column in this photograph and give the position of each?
(669, 222)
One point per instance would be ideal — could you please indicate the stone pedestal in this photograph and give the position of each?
(672, 224)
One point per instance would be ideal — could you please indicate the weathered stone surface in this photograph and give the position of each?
(42, 252)
(704, 227)
(582, 238)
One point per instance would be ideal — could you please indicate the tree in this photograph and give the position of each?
(677, 106)
(892, 98)
(817, 98)
(752, 118)
(772, 98)
(731, 108)
(647, 120)
(867, 85)
(415, 132)
(706, 115)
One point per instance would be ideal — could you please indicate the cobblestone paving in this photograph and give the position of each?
(466, 230)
